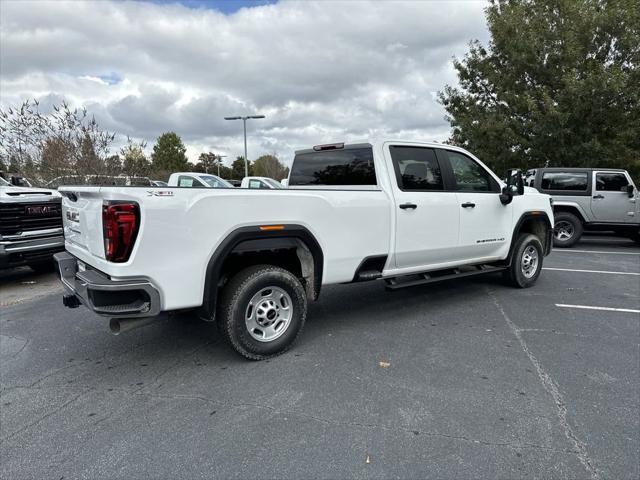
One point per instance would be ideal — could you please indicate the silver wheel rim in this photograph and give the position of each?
(563, 230)
(529, 262)
(268, 314)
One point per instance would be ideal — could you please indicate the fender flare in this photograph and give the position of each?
(576, 206)
(532, 215)
(271, 238)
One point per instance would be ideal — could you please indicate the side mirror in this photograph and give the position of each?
(630, 190)
(515, 186)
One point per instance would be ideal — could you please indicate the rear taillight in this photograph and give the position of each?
(120, 222)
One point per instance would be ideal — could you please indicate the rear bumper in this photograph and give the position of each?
(134, 297)
(22, 250)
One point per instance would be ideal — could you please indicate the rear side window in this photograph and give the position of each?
(416, 168)
(572, 181)
(351, 166)
(611, 182)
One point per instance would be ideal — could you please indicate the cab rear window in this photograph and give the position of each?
(347, 167)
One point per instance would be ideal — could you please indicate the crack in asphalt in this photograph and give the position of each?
(326, 421)
(26, 341)
(44, 417)
(550, 386)
(412, 431)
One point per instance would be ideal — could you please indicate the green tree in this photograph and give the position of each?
(558, 85)
(208, 162)
(237, 168)
(113, 165)
(270, 166)
(135, 162)
(169, 154)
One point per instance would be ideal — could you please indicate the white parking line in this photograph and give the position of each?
(566, 250)
(590, 271)
(607, 309)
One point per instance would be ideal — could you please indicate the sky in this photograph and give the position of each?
(321, 72)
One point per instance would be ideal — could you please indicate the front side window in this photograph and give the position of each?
(273, 183)
(213, 182)
(611, 182)
(469, 175)
(348, 167)
(416, 168)
(572, 181)
(189, 182)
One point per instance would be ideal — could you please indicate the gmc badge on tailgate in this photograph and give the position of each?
(73, 216)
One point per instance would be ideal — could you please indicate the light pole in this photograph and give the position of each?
(244, 124)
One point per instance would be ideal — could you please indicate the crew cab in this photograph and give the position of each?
(592, 199)
(403, 213)
(30, 226)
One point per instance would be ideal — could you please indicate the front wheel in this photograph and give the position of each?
(526, 263)
(262, 311)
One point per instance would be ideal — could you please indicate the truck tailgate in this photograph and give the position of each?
(82, 219)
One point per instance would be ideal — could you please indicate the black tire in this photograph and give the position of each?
(234, 306)
(575, 224)
(43, 267)
(514, 274)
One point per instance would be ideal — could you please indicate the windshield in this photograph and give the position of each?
(272, 182)
(3, 182)
(215, 182)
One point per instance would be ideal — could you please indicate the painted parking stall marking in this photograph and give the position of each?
(595, 251)
(606, 309)
(590, 271)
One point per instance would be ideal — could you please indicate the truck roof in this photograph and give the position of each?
(370, 143)
(577, 169)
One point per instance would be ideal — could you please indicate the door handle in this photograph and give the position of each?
(405, 206)
(468, 205)
(598, 196)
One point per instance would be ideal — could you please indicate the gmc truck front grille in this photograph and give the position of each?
(16, 218)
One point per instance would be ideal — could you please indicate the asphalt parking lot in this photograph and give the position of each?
(464, 379)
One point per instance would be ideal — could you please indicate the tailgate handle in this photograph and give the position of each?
(70, 195)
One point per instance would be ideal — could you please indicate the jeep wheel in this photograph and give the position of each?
(526, 263)
(262, 311)
(567, 230)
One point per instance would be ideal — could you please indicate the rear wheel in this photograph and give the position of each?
(526, 263)
(567, 230)
(262, 311)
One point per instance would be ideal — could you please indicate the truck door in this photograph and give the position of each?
(610, 201)
(427, 218)
(485, 223)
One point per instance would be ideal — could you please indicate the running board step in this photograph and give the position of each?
(395, 283)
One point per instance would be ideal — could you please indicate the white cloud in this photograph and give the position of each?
(321, 72)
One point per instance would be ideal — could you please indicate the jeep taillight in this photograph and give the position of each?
(120, 222)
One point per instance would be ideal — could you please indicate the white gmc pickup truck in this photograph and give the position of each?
(407, 213)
